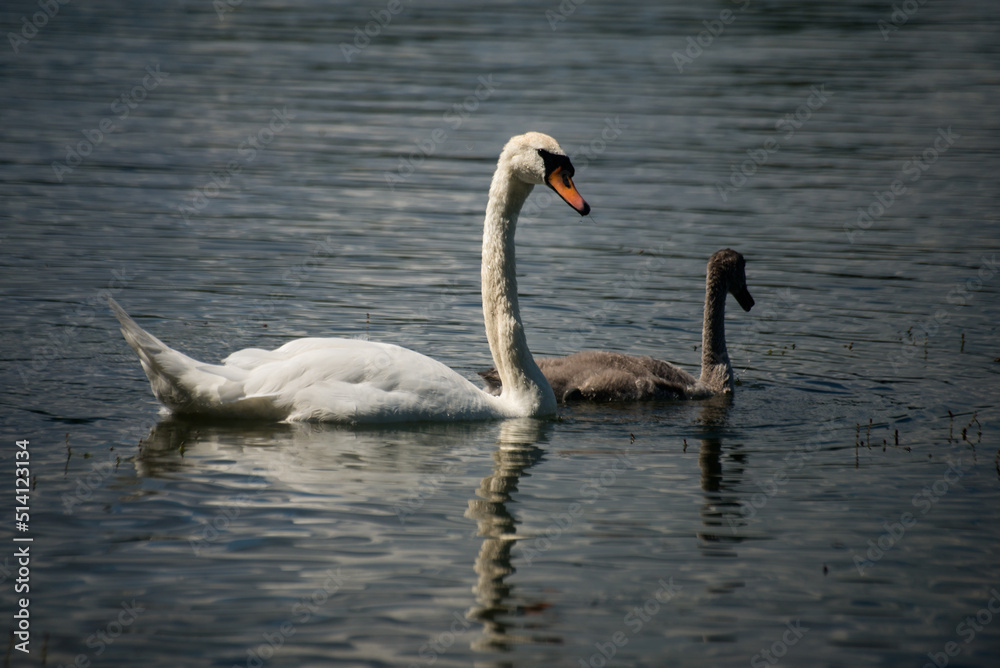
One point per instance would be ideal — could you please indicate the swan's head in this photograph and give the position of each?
(730, 267)
(537, 159)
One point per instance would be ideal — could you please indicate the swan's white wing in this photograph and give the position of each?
(341, 380)
(348, 380)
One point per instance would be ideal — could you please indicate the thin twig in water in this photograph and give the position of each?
(979, 432)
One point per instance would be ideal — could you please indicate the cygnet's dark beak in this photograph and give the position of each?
(743, 297)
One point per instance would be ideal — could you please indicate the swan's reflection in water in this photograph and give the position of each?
(496, 606)
(721, 511)
(284, 474)
(301, 454)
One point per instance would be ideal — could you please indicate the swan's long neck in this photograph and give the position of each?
(716, 370)
(524, 385)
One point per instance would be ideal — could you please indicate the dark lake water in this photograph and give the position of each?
(243, 173)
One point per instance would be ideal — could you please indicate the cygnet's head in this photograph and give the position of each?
(729, 266)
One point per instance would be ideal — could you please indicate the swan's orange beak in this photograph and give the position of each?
(560, 181)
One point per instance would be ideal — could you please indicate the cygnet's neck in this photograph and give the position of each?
(716, 370)
(524, 385)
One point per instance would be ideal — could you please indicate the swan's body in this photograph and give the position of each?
(355, 381)
(607, 376)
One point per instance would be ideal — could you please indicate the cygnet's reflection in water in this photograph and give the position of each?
(497, 608)
(721, 511)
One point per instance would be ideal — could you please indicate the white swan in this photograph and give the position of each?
(604, 376)
(354, 381)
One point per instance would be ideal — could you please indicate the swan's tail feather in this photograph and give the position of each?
(182, 383)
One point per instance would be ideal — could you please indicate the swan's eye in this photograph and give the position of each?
(554, 161)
